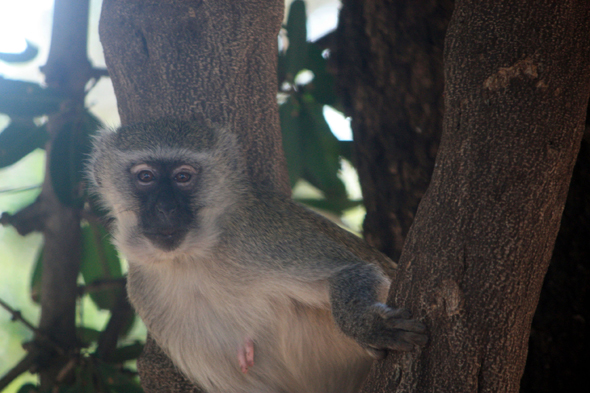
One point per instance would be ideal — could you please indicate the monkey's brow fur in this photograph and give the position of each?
(253, 267)
(138, 137)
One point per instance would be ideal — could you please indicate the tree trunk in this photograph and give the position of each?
(389, 66)
(201, 59)
(559, 347)
(213, 60)
(517, 87)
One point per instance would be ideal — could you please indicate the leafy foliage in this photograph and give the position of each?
(20, 138)
(27, 100)
(100, 261)
(93, 375)
(296, 55)
(69, 149)
(27, 388)
(312, 151)
(36, 278)
(125, 353)
(30, 52)
(24, 102)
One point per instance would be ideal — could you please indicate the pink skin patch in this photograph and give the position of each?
(246, 355)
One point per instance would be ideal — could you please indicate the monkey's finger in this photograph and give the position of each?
(410, 325)
(399, 340)
(375, 353)
(414, 338)
(405, 341)
(398, 345)
(387, 312)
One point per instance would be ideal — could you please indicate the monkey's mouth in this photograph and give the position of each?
(166, 239)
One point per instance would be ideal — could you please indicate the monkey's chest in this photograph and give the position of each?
(203, 325)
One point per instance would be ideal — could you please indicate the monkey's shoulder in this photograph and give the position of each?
(287, 231)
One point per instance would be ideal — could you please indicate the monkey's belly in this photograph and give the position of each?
(297, 349)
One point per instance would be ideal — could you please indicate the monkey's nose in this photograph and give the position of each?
(167, 231)
(166, 238)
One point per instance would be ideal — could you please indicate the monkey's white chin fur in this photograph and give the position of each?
(200, 308)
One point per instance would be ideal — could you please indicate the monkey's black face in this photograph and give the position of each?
(165, 191)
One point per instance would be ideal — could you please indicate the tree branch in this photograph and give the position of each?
(101, 285)
(22, 367)
(121, 315)
(17, 316)
(30, 219)
(67, 70)
(43, 338)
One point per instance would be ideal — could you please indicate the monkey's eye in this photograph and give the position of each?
(182, 177)
(145, 176)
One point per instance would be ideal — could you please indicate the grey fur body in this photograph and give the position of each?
(252, 265)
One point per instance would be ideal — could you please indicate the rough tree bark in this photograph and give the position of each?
(517, 87)
(388, 57)
(400, 33)
(198, 59)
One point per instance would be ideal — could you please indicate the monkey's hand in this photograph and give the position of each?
(376, 326)
(246, 355)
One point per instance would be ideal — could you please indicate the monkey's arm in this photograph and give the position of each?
(356, 309)
(307, 248)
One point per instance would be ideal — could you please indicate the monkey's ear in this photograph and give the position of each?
(90, 170)
(100, 144)
(95, 177)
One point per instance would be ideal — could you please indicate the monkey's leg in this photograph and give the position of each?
(246, 355)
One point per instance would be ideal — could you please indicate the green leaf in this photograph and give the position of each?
(66, 161)
(127, 328)
(30, 52)
(100, 261)
(321, 151)
(127, 387)
(87, 335)
(296, 56)
(28, 388)
(115, 381)
(85, 378)
(346, 150)
(281, 69)
(36, 278)
(289, 114)
(323, 85)
(334, 206)
(26, 99)
(125, 353)
(20, 138)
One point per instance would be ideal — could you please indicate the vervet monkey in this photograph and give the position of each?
(245, 290)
